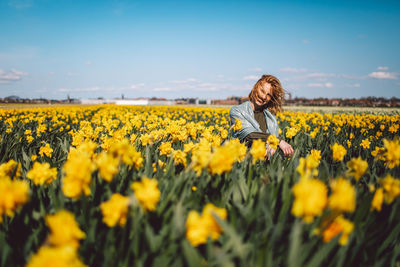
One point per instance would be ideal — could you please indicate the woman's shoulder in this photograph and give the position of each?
(239, 108)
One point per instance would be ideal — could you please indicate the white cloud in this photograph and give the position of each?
(351, 77)
(136, 86)
(164, 89)
(322, 85)
(189, 80)
(251, 78)
(318, 75)
(293, 70)
(355, 85)
(383, 75)
(205, 84)
(383, 68)
(11, 76)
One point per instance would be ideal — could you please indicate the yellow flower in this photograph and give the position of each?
(257, 150)
(160, 164)
(107, 165)
(391, 187)
(357, 167)
(115, 210)
(147, 193)
(339, 225)
(316, 155)
(237, 126)
(392, 153)
(46, 150)
(307, 167)
(41, 173)
(78, 174)
(200, 227)
(221, 160)
(365, 143)
(34, 157)
(291, 132)
(273, 141)
(208, 213)
(55, 256)
(179, 157)
(13, 195)
(310, 199)
(29, 138)
(377, 201)
(338, 152)
(165, 148)
(10, 169)
(378, 153)
(343, 197)
(196, 232)
(64, 230)
(188, 147)
(127, 153)
(201, 155)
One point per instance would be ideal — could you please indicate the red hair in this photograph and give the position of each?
(277, 92)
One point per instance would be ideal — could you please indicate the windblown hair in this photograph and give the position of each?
(278, 93)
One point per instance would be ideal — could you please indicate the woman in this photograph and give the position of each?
(258, 115)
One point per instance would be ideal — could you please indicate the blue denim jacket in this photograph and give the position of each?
(245, 113)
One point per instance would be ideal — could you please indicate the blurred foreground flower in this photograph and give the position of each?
(392, 153)
(343, 197)
(307, 167)
(273, 141)
(223, 157)
(391, 188)
(200, 227)
(78, 174)
(338, 152)
(377, 201)
(10, 169)
(107, 165)
(115, 210)
(64, 230)
(339, 225)
(55, 257)
(147, 193)
(257, 150)
(13, 194)
(310, 199)
(41, 173)
(357, 167)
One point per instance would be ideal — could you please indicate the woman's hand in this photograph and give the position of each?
(269, 152)
(286, 148)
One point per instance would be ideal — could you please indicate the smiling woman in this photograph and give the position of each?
(258, 115)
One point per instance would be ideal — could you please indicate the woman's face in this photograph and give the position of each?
(263, 96)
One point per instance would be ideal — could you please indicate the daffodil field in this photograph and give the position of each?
(169, 186)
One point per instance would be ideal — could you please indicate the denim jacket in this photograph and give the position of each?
(245, 113)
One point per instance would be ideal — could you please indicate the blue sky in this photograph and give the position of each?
(206, 49)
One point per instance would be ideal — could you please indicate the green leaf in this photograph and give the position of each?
(192, 257)
(295, 243)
